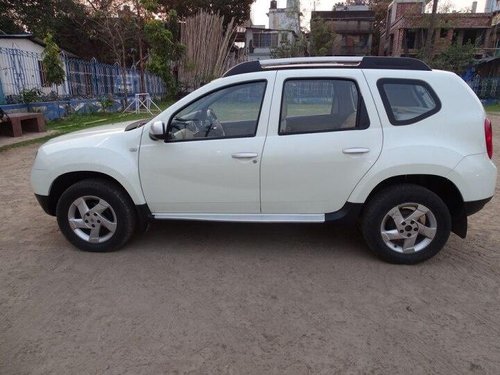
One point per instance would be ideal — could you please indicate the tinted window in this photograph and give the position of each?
(230, 112)
(319, 105)
(408, 101)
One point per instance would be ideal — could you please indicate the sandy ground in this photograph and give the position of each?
(218, 298)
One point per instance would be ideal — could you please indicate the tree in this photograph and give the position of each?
(8, 22)
(295, 48)
(208, 48)
(428, 46)
(52, 64)
(321, 38)
(379, 7)
(456, 58)
(236, 10)
(115, 27)
(165, 50)
(67, 20)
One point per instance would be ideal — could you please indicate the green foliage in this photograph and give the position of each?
(31, 95)
(165, 49)
(455, 58)
(321, 38)
(492, 107)
(237, 9)
(67, 20)
(296, 48)
(106, 102)
(52, 64)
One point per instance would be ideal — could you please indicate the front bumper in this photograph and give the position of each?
(43, 200)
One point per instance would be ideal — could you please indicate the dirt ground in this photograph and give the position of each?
(219, 298)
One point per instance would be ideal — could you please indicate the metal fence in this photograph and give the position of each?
(22, 74)
(485, 88)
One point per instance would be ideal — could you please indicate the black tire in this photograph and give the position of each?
(120, 213)
(375, 220)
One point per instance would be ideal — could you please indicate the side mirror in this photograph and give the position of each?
(157, 130)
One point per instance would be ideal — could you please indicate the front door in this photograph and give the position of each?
(210, 162)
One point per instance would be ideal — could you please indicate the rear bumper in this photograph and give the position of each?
(475, 176)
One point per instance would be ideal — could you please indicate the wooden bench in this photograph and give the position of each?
(17, 122)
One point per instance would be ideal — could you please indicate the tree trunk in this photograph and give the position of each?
(124, 76)
(141, 65)
(428, 50)
(141, 46)
(405, 39)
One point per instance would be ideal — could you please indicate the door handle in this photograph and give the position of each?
(356, 150)
(245, 155)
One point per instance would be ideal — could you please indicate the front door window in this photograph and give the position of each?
(231, 112)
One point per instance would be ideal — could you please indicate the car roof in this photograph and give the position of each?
(361, 62)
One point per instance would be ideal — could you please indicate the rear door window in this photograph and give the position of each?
(321, 105)
(408, 101)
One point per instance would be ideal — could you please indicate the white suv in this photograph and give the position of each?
(403, 149)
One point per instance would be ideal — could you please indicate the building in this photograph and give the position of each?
(353, 26)
(22, 75)
(285, 18)
(21, 65)
(259, 41)
(284, 27)
(493, 7)
(407, 24)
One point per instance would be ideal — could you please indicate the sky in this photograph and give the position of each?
(261, 7)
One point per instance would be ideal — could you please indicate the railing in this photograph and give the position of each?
(485, 88)
(22, 74)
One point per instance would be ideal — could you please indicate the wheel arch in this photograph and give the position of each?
(441, 186)
(65, 180)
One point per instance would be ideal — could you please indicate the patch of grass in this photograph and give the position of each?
(78, 122)
(83, 121)
(492, 107)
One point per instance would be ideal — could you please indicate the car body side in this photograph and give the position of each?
(408, 150)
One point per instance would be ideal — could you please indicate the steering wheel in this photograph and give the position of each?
(181, 130)
(214, 127)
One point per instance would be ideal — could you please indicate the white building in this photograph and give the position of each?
(284, 27)
(260, 41)
(21, 65)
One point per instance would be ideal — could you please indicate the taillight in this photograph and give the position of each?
(488, 134)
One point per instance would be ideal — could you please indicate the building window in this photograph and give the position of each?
(265, 40)
(472, 36)
(410, 37)
(43, 74)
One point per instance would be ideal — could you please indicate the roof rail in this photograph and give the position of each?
(366, 62)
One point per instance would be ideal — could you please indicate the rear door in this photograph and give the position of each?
(324, 134)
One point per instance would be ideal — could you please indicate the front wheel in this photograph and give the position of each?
(96, 215)
(406, 224)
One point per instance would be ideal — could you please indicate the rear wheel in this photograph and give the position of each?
(96, 215)
(406, 224)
